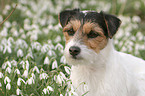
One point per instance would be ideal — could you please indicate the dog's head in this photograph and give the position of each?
(86, 33)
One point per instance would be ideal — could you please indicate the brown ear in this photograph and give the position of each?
(112, 24)
(66, 15)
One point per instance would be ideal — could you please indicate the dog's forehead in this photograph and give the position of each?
(89, 16)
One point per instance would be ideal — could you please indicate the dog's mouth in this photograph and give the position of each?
(76, 57)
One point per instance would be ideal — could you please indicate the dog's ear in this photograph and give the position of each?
(65, 16)
(112, 23)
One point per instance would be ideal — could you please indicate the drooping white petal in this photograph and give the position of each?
(50, 88)
(18, 91)
(54, 64)
(36, 69)
(46, 61)
(7, 80)
(8, 86)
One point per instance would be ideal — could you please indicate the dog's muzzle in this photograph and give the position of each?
(74, 51)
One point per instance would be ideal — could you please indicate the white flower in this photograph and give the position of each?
(8, 86)
(20, 53)
(59, 79)
(61, 95)
(0, 84)
(7, 80)
(45, 90)
(33, 75)
(62, 75)
(7, 48)
(36, 69)
(59, 47)
(50, 88)
(63, 60)
(5, 65)
(46, 61)
(19, 81)
(1, 75)
(25, 74)
(8, 70)
(54, 64)
(18, 91)
(27, 65)
(43, 76)
(30, 81)
(67, 69)
(14, 62)
(17, 71)
(57, 39)
(4, 32)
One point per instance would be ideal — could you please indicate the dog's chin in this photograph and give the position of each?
(82, 59)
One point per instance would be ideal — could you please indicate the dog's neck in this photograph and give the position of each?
(82, 73)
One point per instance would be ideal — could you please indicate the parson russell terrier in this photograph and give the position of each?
(89, 49)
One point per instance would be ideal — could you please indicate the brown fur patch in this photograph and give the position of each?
(75, 24)
(96, 44)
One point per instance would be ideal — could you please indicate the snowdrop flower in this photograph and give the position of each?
(1, 75)
(36, 69)
(25, 74)
(50, 53)
(7, 24)
(50, 88)
(8, 69)
(7, 80)
(0, 84)
(27, 65)
(17, 71)
(58, 46)
(67, 69)
(18, 91)
(36, 45)
(20, 53)
(61, 95)
(14, 63)
(6, 64)
(43, 76)
(46, 61)
(8, 86)
(19, 81)
(30, 81)
(63, 60)
(1, 47)
(44, 48)
(33, 75)
(57, 39)
(4, 32)
(7, 48)
(54, 64)
(62, 75)
(45, 90)
(59, 79)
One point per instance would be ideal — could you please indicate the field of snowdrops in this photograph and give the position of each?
(32, 43)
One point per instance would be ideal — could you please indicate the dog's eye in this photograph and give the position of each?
(92, 34)
(71, 32)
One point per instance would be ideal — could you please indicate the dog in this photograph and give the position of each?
(97, 68)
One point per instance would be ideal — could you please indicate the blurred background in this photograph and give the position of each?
(32, 43)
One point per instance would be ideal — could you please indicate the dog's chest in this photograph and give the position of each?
(87, 79)
(99, 82)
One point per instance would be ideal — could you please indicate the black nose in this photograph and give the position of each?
(74, 50)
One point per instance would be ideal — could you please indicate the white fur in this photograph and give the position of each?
(108, 73)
